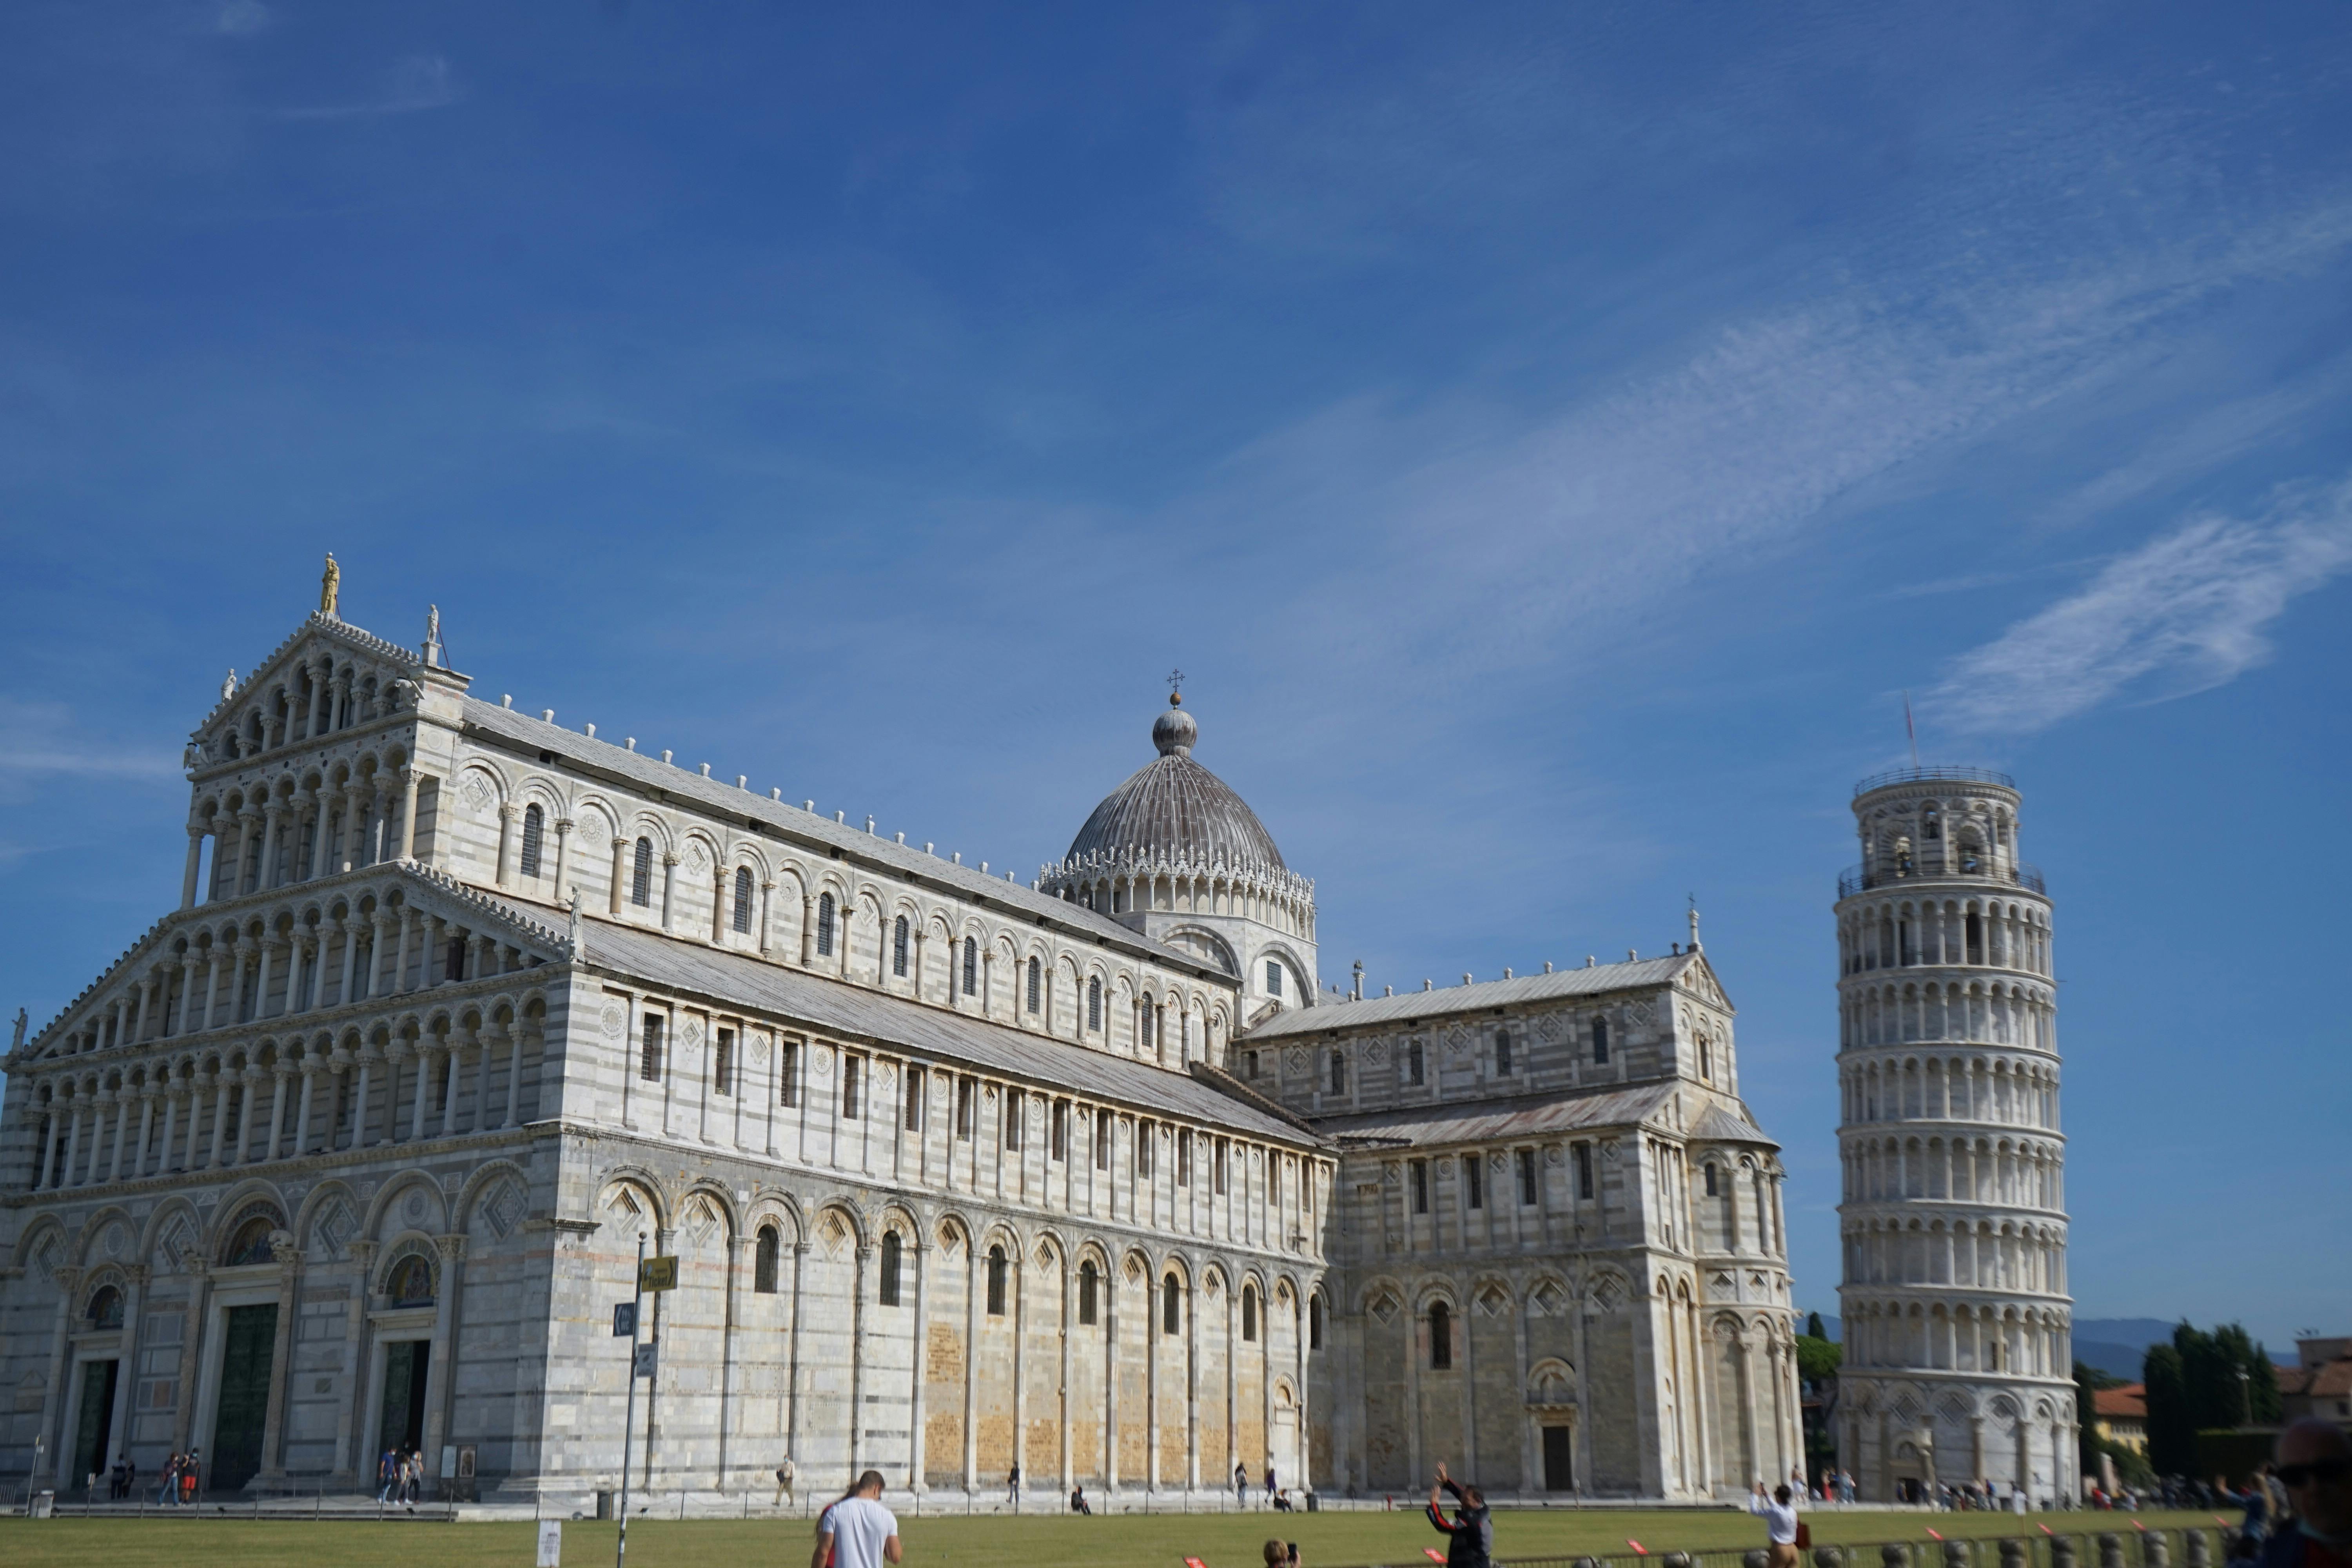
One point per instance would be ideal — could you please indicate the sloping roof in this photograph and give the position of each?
(2332, 1379)
(791, 822)
(1530, 1116)
(1633, 975)
(852, 1013)
(1721, 1124)
(2128, 1402)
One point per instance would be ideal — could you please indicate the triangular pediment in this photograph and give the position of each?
(380, 679)
(290, 909)
(1698, 978)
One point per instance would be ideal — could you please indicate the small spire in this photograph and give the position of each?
(434, 657)
(228, 684)
(1694, 922)
(330, 583)
(1175, 689)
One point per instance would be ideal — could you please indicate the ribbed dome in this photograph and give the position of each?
(1174, 807)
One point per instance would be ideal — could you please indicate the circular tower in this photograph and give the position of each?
(1959, 1360)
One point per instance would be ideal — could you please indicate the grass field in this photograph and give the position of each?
(1222, 1540)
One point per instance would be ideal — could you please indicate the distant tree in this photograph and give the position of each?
(2172, 1428)
(1817, 1358)
(1814, 1326)
(2193, 1386)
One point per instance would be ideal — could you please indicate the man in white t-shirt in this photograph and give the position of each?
(858, 1531)
(1779, 1513)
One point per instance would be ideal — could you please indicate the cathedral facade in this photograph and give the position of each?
(463, 1010)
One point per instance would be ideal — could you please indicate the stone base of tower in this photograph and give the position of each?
(1898, 1431)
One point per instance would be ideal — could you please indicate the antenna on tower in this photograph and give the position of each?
(1910, 731)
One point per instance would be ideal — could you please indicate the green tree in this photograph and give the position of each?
(2172, 1428)
(1817, 1359)
(2195, 1384)
(1814, 1326)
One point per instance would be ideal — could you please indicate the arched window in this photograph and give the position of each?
(1413, 1062)
(996, 1281)
(1502, 1053)
(824, 925)
(1273, 978)
(1094, 1003)
(898, 947)
(764, 1261)
(1339, 1072)
(889, 1293)
(743, 899)
(722, 1063)
(1087, 1281)
(534, 829)
(1440, 1336)
(249, 1242)
(641, 878)
(1315, 1322)
(106, 1307)
(649, 1053)
(1711, 1189)
(1600, 1040)
(411, 1284)
(971, 966)
(1249, 1312)
(1036, 982)
(1706, 1058)
(1172, 1306)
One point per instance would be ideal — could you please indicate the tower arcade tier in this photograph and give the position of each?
(1957, 1322)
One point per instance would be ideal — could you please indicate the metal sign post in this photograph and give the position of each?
(629, 1415)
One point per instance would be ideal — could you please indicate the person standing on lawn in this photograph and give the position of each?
(1241, 1483)
(1470, 1535)
(1779, 1513)
(857, 1531)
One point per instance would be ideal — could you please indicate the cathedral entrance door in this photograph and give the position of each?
(405, 1365)
(94, 1423)
(246, 1347)
(1559, 1459)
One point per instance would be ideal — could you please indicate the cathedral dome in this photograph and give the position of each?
(1173, 809)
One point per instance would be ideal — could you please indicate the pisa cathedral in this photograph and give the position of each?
(1088, 1172)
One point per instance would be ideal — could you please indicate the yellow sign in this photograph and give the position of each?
(658, 1274)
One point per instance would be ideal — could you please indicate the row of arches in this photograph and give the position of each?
(1979, 1255)
(1126, 882)
(1992, 1171)
(1959, 1087)
(345, 815)
(199, 971)
(1899, 933)
(319, 693)
(2023, 1016)
(746, 891)
(433, 1072)
(2021, 1341)
(987, 1341)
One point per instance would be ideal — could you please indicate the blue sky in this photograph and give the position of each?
(1551, 440)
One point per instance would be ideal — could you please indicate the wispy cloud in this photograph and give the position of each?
(1486, 537)
(413, 83)
(42, 738)
(242, 18)
(2184, 612)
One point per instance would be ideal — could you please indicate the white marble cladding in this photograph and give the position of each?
(1484, 1050)
(1958, 1324)
(770, 880)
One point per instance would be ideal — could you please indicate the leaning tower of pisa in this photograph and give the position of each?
(1958, 1349)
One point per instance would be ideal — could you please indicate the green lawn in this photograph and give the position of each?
(1222, 1540)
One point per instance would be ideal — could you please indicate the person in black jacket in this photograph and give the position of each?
(1470, 1535)
(2315, 1464)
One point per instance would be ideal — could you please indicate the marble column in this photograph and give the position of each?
(196, 858)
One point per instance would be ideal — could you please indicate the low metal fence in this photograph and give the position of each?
(2043, 1546)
